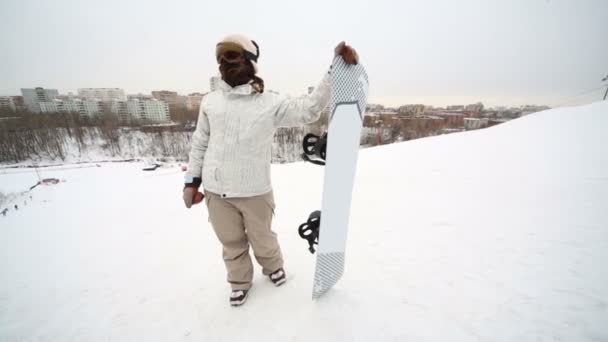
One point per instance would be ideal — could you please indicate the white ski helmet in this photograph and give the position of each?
(251, 51)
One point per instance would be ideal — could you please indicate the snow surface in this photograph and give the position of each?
(498, 234)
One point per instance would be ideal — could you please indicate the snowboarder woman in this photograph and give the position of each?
(230, 157)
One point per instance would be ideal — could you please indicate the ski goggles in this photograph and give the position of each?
(232, 53)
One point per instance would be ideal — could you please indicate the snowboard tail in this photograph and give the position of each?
(330, 267)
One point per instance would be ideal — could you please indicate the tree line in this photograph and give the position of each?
(25, 136)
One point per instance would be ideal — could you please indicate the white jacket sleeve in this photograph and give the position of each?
(200, 141)
(292, 112)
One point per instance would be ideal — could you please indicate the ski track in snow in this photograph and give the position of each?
(492, 235)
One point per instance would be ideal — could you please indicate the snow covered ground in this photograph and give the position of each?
(493, 235)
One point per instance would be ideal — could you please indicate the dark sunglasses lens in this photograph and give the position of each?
(231, 55)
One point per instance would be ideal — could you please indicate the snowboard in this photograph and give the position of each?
(349, 90)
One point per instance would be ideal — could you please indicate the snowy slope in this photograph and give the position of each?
(498, 234)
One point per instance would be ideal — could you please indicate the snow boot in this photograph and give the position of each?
(238, 297)
(278, 277)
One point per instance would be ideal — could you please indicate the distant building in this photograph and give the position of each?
(141, 109)
(103, 94)
(33, 97)
(12, 103)
(474, 123)
(475, 108)
(19, 103)
(6, 102)
(455, 108)
(49, 107)
(412, 109)
(494, 122)
(165, 95)
(171, 97)
(120, 109)
(452, 119)
(139, 97)
(193, 101)
(509, 113)
(528, 109)
(214, 83)
(83, 106)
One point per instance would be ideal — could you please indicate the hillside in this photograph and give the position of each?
(497, 234)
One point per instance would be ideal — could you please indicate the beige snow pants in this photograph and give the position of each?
(239, 222)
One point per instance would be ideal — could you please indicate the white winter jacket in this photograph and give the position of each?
(231, 147)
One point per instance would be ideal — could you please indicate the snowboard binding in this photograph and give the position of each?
(310, 230)
(314, 146)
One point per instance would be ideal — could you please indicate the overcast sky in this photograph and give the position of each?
(509, 52)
